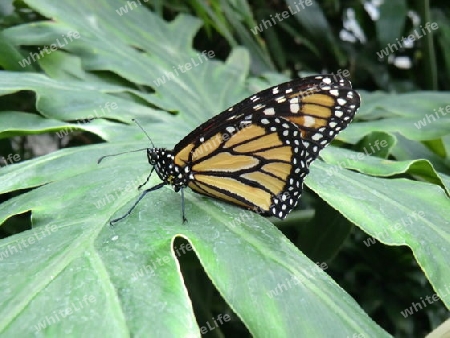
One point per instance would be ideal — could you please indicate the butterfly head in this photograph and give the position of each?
(163, 162)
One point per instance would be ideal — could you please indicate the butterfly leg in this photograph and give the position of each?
(182, 206)
(146, 181)
(145, 192)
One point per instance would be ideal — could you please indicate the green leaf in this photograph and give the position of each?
(405, 149)
(395, 212)
(323, 237)
(220, 234)
(10, 57)
(416, 116)
(375, 166)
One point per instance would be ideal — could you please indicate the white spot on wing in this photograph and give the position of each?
(295, 107)
(334, 92)
(258, 106)
(316, 136)
(309, 121)
(269, 111)
(341, 101)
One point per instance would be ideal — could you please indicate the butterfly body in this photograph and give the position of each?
(162, 161)
(257, 153)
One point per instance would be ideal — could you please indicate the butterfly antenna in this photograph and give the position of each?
(131, 151)
(125, 152)
(135, 121)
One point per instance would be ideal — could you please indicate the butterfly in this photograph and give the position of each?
(257, 153)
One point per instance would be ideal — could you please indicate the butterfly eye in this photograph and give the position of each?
(152, 157)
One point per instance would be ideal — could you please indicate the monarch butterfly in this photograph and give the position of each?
(257, 153)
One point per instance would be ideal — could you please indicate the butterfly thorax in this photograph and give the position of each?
(163, 161)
